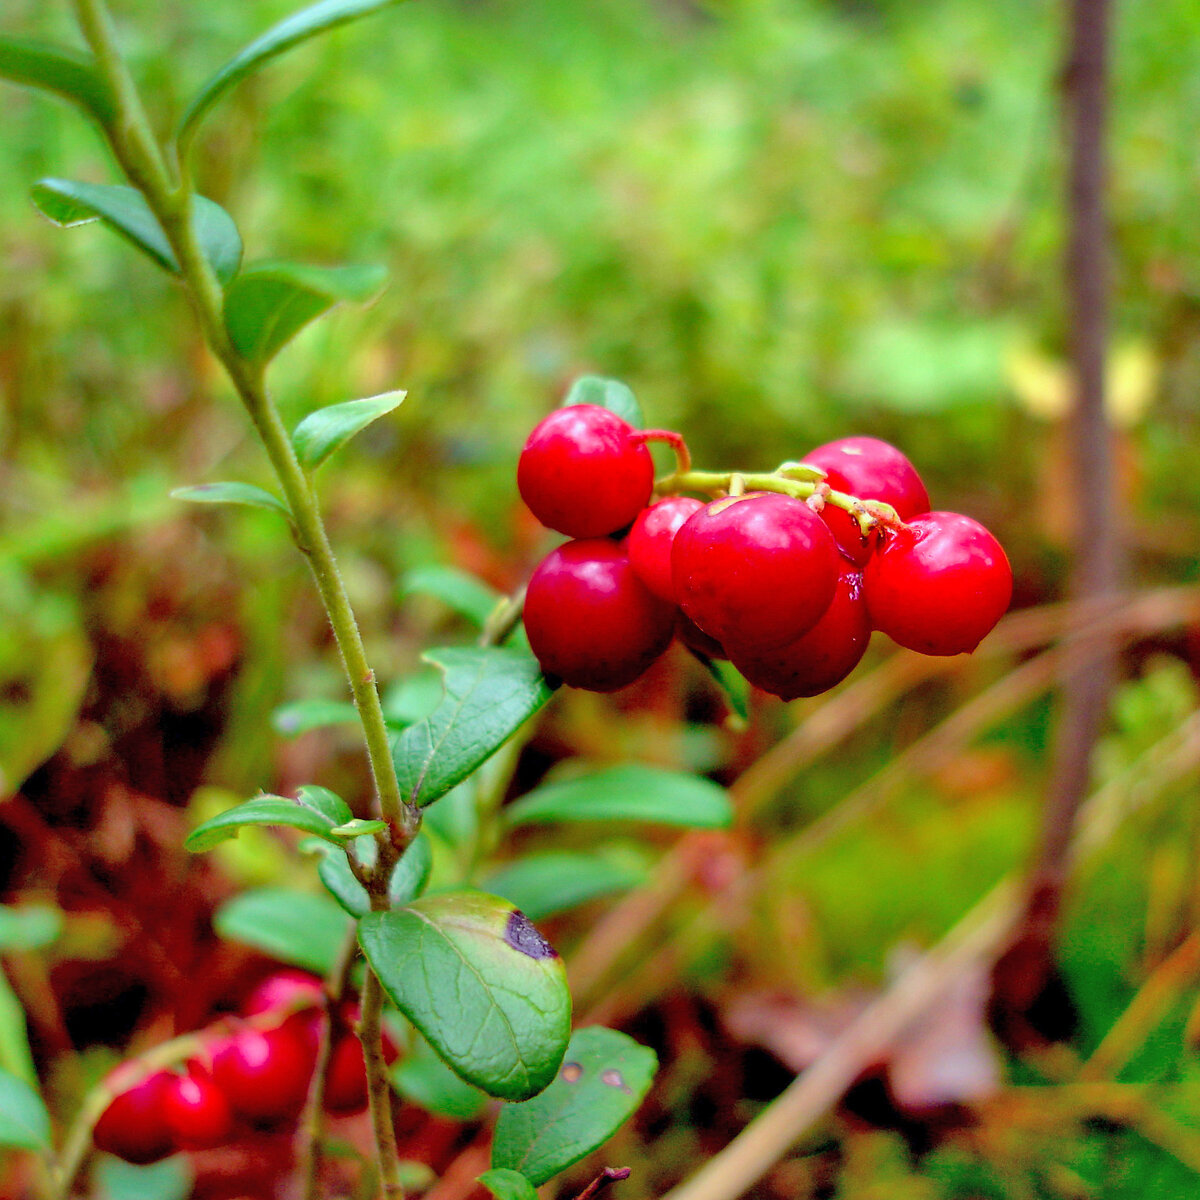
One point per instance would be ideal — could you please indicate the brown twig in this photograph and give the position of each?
(604, 1181)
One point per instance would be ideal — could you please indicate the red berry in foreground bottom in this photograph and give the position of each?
(939, 585)
(822, 657)
(264, 1073)
(754, 571)
(590, 620)
(582, 473)
(650, 542)
(196, 1111)
(134, 1126)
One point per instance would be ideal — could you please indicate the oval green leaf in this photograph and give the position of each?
(424, 1080)
(356, 828)
(607, 393)
(295, 927)
(231, 493)
(481, 984)
(269, 303)
(466, 595)
(125, 211)
(409, 878)
(267, 810)
(299, 27)
(629, 793)
(29, 927)
(508, 1185)
(59, 69)
(490, 692)
(24, 1122)
(605, 1075)
(328, 429)
(301, 716)
(541, 885)
(15, 1055)
(171, 1179)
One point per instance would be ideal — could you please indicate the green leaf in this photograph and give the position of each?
(629, 793)
(301, 716)
(15, 1055)
(321, 800)
(508, 1185)
(604, 1077)
(29, 927)
(329, 429)
(231, 493)
(424, 1080)
(490, 693)
(544, 884)
(171, 1179)
(269, 303)
(357, 828)
(732, 684)
(24, 1121)
(409, 878)
(480, 983)
(299, 27)
(124, 210)
(294, 927)
(607, 393)
(267, 810)
(413, 698)
(458, 590)
(59, 69)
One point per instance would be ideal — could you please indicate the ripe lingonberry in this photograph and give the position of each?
(650, 542)
(871, 470)
(695, 639)
(264, 1073)
(583, 473)
(822, 657)
(196, 1111)
(590, 620)
(284, 992)
(134, 1126)
(939, 584)
(754, 571)
(346, 1079)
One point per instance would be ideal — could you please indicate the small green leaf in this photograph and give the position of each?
(357, 828)
(329, 429)
(15, 1055)
(508, 1185)
(294, 927)
(24, 1121)
(231, 493)
(607, 393)
(507, 1024)
(299, 27)
(732, 684)
(604, 1077)
(424, 1080)
(456, 589)
(269, 303)
(124, 210)
(266, 810)
(321, 800)
(630, 793)
(171, 1179)
(454, 817)
(301, 716)
(490, 693)
(29, 927)
(59, 69)
(413, 698)
(541, 885)
(408, 879)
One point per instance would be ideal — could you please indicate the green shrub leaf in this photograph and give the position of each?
(456, 589)
(29, 927)
(269, 303)
(231, 493)
(171, 1179)
(24, 1121)
(629, 793)
(321, 819)
(424, 1080)
(300, 928)
(300, 716)
(607, 393)
(124, 210)
(409, 878)
(328, 429)
(541, 885)
(508, 1185)
(69, 73)
(604, 1077)
(490, 693)
(505, 1025)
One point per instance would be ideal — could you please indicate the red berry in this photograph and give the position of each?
(134, 1126)
(695, 639)
(285, 992)
(754, 571)
(196, 1111)
(871, 470)
(346, 1080)
(650, 542)
(939, 585)
(822, 657)
(590, 620)
(264, 1073)
(583, 474)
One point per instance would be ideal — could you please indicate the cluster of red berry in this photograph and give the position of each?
(253, 1072)
(784, 574)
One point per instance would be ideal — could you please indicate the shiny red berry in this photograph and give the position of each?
(939, 585)
(346, 1080)
(589, 618)
(264, 1073)
(822, 657)
(284, 993)
(755, 571)
(695, 639)
(582, 473)
(196, 1111)
(134, 1126)
(871, 470)
(650, 540)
